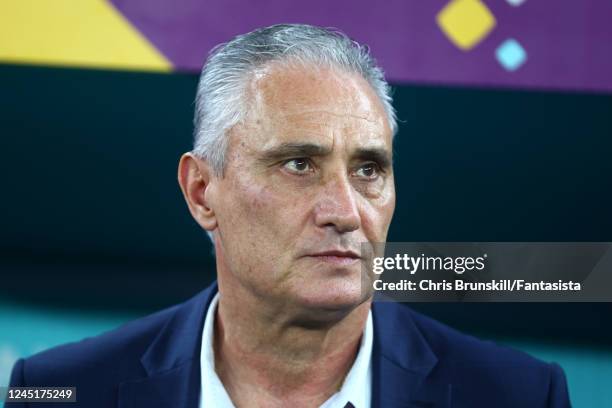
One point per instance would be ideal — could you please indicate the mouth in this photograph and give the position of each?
(337, 257)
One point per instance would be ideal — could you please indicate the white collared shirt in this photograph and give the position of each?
(356, 388)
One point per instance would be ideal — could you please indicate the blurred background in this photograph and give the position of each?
(505, 135)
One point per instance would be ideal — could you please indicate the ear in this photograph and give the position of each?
(194, 177)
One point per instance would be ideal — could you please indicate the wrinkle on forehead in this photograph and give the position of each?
(282, 91)
(306, 112)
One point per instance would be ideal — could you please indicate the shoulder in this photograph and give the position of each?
(113, 354)
(138, 352)
(483, 368)
(450, 345)
(453, 346)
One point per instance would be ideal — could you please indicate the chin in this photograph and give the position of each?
(337, 296)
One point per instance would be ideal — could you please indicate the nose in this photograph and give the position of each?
(337, 206)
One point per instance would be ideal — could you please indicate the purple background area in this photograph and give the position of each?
(569, 43)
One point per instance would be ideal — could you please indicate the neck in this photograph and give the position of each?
(263, 353)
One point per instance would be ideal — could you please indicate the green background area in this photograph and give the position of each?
(95, 231)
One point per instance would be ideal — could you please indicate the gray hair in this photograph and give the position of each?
(220, 100)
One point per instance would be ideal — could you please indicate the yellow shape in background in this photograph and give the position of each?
(466, 22)
(87, 33)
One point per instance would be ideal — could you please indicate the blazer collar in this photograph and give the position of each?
(403, 362)
(172, 361)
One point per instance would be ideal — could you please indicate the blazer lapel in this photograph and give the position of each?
(172, 361)
(402, 362)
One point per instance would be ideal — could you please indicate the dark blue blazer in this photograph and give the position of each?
(417, 362)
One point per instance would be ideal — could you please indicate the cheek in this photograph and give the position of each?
(377, 216)
(248, 229)
(265, 211)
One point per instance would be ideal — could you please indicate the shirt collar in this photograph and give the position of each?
(356, 388)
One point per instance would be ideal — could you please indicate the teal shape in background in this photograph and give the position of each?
(511, 54)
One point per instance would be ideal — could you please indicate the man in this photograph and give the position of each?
(291, 172)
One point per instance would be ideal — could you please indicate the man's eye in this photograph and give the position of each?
(298, 166)
(369, 171)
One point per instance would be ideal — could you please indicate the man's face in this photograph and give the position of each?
(308, 178)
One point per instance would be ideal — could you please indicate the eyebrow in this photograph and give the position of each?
(286, 150)
(376, 154)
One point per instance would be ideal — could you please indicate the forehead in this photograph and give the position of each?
(295, 100)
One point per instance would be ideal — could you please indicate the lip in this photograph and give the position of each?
(338, 257)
